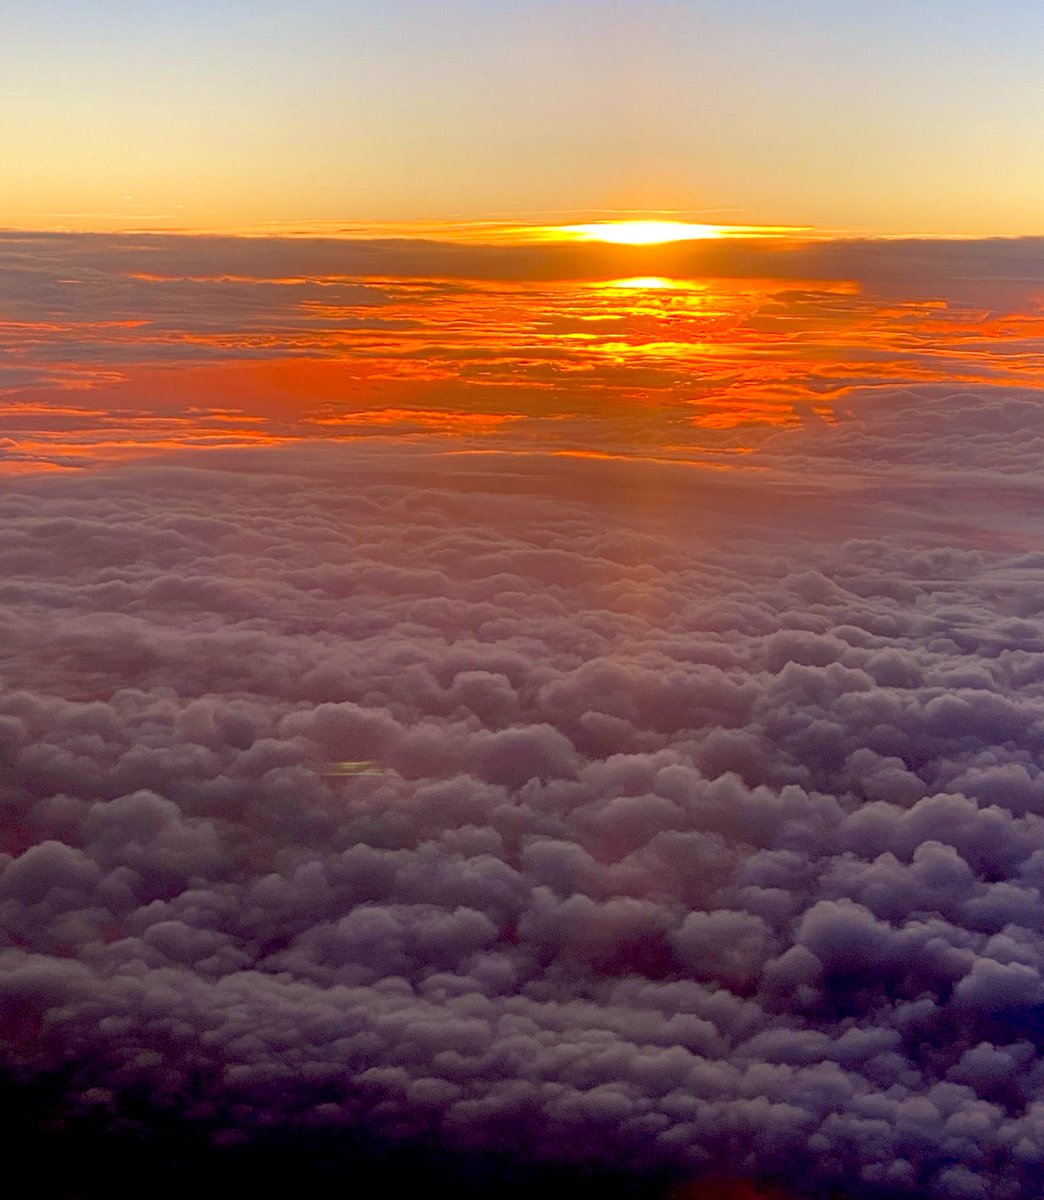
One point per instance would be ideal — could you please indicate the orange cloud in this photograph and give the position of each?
(291, 339)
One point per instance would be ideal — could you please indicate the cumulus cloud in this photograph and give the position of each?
(707, 840)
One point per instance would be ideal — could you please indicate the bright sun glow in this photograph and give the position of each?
(642, 233)
(650, 283)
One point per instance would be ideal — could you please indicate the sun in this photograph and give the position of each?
(642, 233)
(649, 283)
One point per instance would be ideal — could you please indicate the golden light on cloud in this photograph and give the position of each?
(516, 232)
(643, 233)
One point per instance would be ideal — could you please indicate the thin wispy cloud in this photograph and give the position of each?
(698, 349)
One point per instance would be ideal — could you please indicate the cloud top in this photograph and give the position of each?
(120, 346)
(707, 840)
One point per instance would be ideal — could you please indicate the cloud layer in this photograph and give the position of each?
(708, 837)
(118, 345)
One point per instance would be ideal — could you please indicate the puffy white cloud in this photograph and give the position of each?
(707, 835)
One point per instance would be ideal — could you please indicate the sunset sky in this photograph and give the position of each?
(521, 599)
(913, 116)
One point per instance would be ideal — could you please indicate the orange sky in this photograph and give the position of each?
(891, 116)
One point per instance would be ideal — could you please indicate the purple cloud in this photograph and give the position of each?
(708, 835)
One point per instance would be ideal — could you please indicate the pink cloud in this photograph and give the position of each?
(706, 831)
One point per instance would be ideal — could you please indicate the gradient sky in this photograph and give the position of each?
(897, 115)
